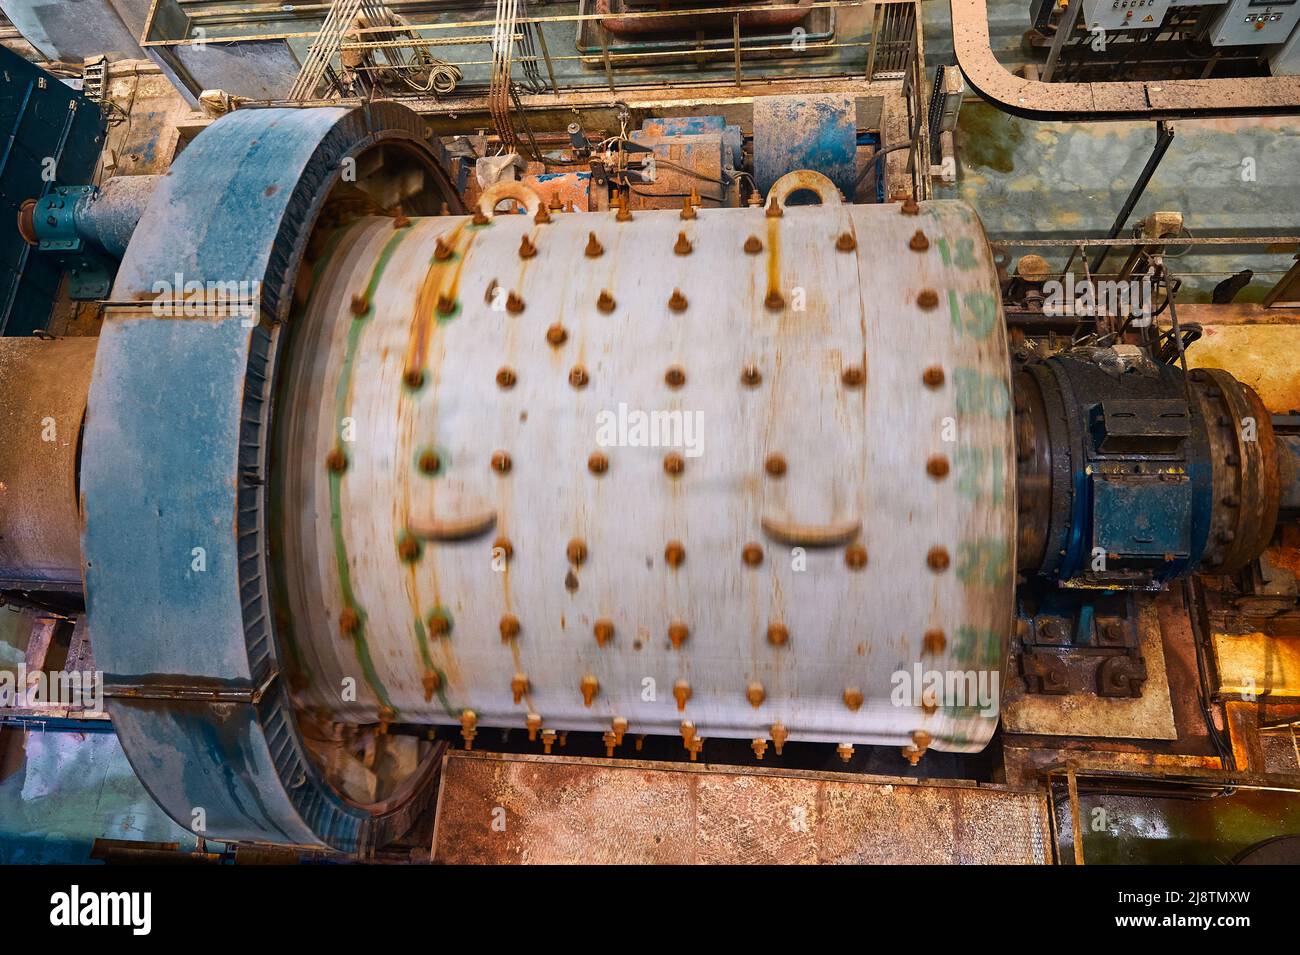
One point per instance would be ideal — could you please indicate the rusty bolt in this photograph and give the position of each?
(937, 466)
(688, 209)
(853, 376)
(909, 207)
(336, 461)
(446, 304)
(360, 304)
(501, 462)
(750, 376)
(773, 209)
(509, 627)
(349, 622)
(589, 686)
(779, 736)
(605, 301)
(568, 205)
(400, 221)
(543, 215)
(514, 303)
(506, 377)
(677, 634)
(759, 746)
(604, 631)
(408, 548)
(557, 335)
(674, 463)
(624, 213)
(519, 686)
(855, 556)
(752, 554)
(413, 378)
(594, 249)
(677, 301)
(683, 245)
(933, 376)
(533, 722)
(933, 642)
(432, 684)
(846, 242)
(778, 634)
(526, 248)
(555, 205)
(845, 751)
(774, 300)
(681, 693)
(430, 462)
(478, 218)
(576, 551)
(918, 242)
(597, 463)
(775, 465)
(439, 623)
(674, 377)
(753, 245)
(937, 559)
(674, 554)
(441, 249)
(928, 298)
(504, 547)
(578, 376)
(754, 693)
(853, 698)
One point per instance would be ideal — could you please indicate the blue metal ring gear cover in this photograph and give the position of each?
(174, 490)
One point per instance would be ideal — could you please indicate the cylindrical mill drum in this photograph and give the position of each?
(748, 470)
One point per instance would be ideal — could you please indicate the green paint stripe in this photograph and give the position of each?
(285, 630)
(423, 640)
(342, 397)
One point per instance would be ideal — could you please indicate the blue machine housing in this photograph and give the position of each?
(52, 135)
(174, 483)
(1132, 485)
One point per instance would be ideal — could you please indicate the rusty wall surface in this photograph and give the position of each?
(565, 811)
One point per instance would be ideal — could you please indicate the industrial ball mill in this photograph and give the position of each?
(349, 453)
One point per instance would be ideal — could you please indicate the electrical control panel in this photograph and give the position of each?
(1249, 22)
(1124, 14)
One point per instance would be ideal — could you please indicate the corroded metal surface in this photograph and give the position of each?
(1259, 355)
(443, 400)
(43, 387)
(1083, 713)
(540, 810)
(1253, 665)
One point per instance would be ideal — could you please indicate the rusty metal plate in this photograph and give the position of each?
(1261, 356)
(866, 467)
(1254, 665)
(43, 388)
(1149, 716)
(551, 810)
